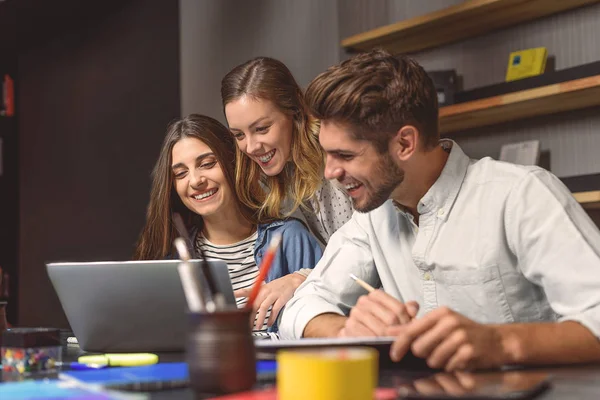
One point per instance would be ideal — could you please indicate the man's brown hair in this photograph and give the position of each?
(375, 94)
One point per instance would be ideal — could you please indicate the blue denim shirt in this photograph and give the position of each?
(299, 249)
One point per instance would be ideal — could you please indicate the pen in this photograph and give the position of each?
(362, 283)
(191, 287)
(265, 265)
(216, 300)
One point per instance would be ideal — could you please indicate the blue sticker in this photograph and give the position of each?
(516, 60)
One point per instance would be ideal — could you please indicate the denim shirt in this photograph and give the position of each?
(298, 249)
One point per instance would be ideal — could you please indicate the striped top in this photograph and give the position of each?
(241, 264)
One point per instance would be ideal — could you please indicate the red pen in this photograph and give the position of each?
(265, 266)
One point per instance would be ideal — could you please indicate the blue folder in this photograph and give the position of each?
(145, 378)
(150, 377)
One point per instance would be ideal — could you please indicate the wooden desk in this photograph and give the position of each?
(577, 382)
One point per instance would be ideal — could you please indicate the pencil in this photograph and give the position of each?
(362, 283)
(265, 266)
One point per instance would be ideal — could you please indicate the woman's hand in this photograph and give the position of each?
(275, 293)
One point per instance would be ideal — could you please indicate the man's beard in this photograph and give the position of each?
(391, 176)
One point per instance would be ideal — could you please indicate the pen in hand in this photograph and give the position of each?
(412, 307)
(362, 283)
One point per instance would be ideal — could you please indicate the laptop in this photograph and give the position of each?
(128, 306)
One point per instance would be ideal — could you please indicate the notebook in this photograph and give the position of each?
(267, 349)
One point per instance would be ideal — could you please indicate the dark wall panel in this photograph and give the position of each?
(94, 104)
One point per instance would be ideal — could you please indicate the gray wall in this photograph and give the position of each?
(94, 103)
(218, 35)
(573, 139)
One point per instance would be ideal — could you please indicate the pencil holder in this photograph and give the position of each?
(220, 351)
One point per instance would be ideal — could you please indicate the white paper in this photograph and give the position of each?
(523, 153)
(320, 342)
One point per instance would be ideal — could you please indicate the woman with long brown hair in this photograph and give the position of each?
(280, 168)
(194, 176)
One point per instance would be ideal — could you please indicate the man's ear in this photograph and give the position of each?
(406, 142)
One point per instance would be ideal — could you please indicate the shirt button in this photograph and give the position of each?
(427, 276)
(441, 212)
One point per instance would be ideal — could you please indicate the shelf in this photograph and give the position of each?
(467, 19)
(550, 99)
(589, 200)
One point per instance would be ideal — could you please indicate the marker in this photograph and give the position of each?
(264, 269)
(76, 366)
(191, 287)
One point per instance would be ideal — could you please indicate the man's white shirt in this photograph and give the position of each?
(496, 242)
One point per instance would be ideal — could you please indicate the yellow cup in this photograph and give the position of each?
(331, 374)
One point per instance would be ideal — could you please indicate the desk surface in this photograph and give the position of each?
(576, 382)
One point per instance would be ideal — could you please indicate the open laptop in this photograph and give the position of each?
(128, 306)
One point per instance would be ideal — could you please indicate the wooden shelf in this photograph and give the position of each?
(467, 19)
(550, 99)
(589, 200)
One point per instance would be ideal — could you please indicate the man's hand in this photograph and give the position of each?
(275, 293)
(449, 340)
(374, 313)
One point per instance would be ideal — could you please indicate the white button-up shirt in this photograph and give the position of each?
(496, 242)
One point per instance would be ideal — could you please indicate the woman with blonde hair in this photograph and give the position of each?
(281, 164)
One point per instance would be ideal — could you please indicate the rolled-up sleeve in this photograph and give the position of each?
(329, 288)
(558, 247)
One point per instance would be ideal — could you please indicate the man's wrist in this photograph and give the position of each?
(512, 344)
(324, 325)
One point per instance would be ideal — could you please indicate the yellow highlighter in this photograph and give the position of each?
(120, 360)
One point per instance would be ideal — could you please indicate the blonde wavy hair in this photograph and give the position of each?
(269, 79)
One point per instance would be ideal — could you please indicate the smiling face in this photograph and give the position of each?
(199, 180)
(262, 132)
(368, 176)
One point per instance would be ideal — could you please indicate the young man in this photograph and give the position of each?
(482, 263)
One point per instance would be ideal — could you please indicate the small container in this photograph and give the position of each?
(28, 351)
(220, 351)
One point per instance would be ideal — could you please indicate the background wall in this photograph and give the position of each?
(95, 95)
(218, 35)
(94, 103)
(573, 139)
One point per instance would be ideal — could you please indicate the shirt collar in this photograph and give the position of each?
(441, 195)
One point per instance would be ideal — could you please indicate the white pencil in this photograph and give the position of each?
(362, 283)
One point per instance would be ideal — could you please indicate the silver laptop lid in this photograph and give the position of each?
(131, 306)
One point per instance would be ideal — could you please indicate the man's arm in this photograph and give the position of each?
(557, 246)
(549, 343)
(451, 341)
(324, 325)
(329, 289)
